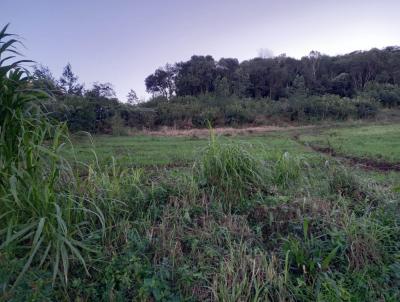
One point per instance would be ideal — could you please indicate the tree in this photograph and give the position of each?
(69, 82)
(314, 58)
(274, 77)
(196, 76)
(227, 69)
(162, 81)
(298, 87)
(132, 97)
(44, 79)
(342, 85)
(101, 90)
(222, 87)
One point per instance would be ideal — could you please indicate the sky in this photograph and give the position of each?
(123, 41)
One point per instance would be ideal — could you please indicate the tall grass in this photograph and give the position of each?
(43, 221)
(230, 171)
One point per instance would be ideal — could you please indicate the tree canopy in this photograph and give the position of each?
(274, 77)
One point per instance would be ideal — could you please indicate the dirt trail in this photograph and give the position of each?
(364, 163)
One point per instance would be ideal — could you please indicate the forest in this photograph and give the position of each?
(276, 90)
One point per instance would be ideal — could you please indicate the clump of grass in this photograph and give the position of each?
(44, 223)
(41, 221)
(249, 274)
(349, 185)
(286, 169)
(343, 182)
(229, 171)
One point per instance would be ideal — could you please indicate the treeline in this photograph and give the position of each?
(228, 93)
(276, 77)
(95, 109)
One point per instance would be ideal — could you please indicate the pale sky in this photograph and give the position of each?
(122, 42)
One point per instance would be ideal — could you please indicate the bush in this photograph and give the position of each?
(366, 108)
(100, 115)
(387, 94)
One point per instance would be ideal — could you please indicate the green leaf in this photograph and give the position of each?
(329, 258)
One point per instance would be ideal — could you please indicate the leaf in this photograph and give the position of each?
(65, 261)
(39, 230)
(13, 188)
(56, 264)
(17, 235)
(76, 252)
(305, 228)
(329, 258)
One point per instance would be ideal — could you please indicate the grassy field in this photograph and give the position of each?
(163, 151)
(229, 218)
(375, 142)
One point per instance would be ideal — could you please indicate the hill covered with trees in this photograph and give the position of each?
(228, 92)
(278, 77)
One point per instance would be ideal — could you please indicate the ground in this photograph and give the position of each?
(373, 149)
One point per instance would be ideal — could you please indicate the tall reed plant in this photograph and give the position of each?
(43, 221)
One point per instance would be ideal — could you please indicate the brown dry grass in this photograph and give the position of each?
(226, 131)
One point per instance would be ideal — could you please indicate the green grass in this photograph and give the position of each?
(166, 151)
(260, 218)
(163, 151)
(377, 142)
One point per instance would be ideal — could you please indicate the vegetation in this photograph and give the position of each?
(253, 218)
(277, 77)
(276, 90)
(375, 142)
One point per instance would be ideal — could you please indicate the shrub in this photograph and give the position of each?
(365, 108)
(387, 94)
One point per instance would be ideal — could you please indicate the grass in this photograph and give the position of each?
(247, 218)
(287, 226)
(375, 142)
(142, 151)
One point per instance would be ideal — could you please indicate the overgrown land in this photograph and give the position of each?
(303, 213)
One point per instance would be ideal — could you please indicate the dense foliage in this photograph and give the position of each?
(278, 90)
(103, 115)
(276, 77)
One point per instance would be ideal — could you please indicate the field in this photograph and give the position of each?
(306, 213)
(374, 149)
(318, 228)
(170, 150)
(280, 215)
(378, 143)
